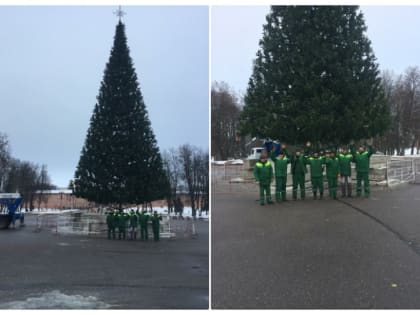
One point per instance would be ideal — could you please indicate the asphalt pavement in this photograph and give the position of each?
(41, 270)
(358, 253)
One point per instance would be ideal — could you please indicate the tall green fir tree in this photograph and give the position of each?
(315, 77)
(120, 161)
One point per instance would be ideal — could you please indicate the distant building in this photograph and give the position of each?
(61, 199)
(64, 199)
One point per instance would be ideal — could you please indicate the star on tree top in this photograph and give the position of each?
(120, 13)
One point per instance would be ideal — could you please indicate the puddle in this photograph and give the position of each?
(57, 300)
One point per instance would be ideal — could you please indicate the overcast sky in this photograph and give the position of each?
(52, 61)
(393, 31)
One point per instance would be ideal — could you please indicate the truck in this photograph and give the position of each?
(10, 210)
(268, 145)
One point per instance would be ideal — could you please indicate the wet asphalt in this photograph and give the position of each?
(353, 253)
(169, 274)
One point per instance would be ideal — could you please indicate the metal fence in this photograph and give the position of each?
(403, 170)
(385, 171)
(94, 225)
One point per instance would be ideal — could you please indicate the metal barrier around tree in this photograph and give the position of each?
(385, 171)
(94, 225)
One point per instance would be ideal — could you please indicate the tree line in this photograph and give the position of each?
(29, 179)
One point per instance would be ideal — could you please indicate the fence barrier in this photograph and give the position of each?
(94, 225)
(385, 171)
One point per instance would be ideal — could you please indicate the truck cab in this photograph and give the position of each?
(255, 153)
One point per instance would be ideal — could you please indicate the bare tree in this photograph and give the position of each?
(43, 184)
(225, 110)
(173, 169)
(28, 178)
(195, 173)
(412, 105)
(403, 96)
(186, 157)
(4, 158)
(202, 180)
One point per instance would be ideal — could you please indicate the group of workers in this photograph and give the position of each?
(338, 165)
(132, 220)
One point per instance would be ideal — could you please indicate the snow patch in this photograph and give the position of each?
(57, 300)
(186, 213)
(237, 180)
(50, 211)
(228, 162)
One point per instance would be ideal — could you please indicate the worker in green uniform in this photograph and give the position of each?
(133, 223)
(116, 218)
(333, 166)
(122, 225)
(298, 170)
(144, 220)
(263, 173)
(315, 162)
(110, 222)
(362, 161)
(156, 218)
(345, 158)
(280, 171)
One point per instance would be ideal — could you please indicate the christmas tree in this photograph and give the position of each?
(120, 161)
(315, 77)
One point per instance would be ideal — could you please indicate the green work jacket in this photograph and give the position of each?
(280, 165)
(362, 161)
(110, 220)
(315, 165)
(263, 172)
(155, 221)
(122, 220)
(333, 166)
(143, 219)
(298, 165)
(133, 220)
(345, 163)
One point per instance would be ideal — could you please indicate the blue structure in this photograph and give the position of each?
(270, 144)
(10, 210)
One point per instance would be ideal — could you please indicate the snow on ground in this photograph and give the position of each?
(50, 211)
(228, 162)
(57, 300)
(187, 213)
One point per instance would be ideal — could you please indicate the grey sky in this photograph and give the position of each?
(236, 31)
(51, 65)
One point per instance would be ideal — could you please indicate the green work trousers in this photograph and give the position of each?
(121, 232)
(299, 180)
(155, 233)
(111, 231)
(133, 232)
(332, 186)
(265, 190)
(363, 176)
(317, 184)
(281, 188)
(144, 233)
(345, 186)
